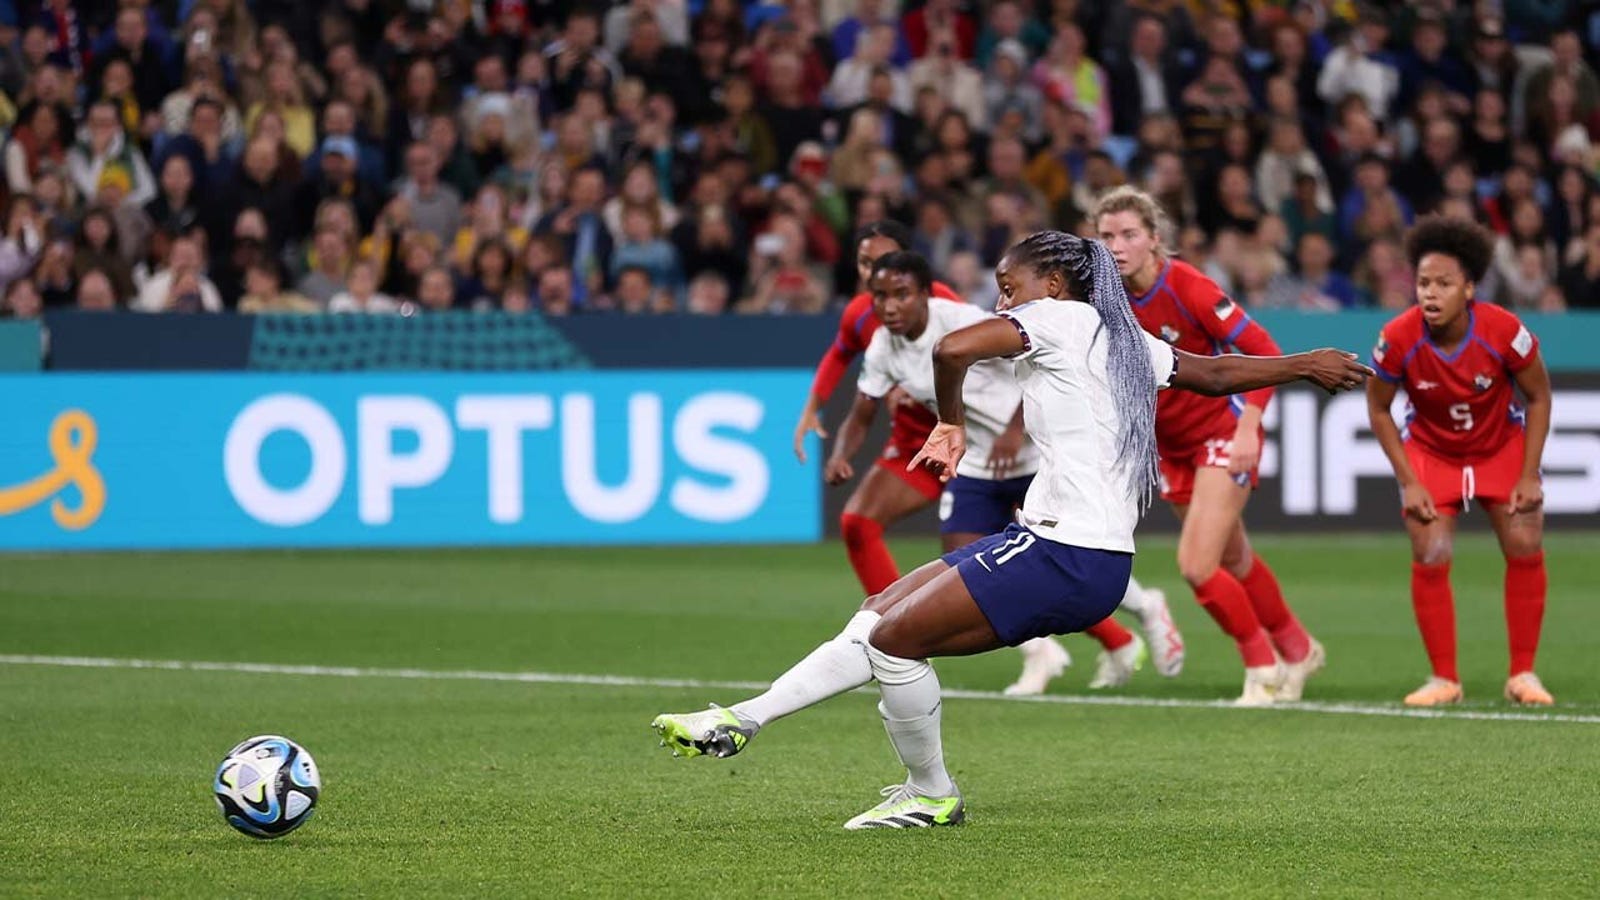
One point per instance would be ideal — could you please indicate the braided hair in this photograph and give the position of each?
(1091, 275)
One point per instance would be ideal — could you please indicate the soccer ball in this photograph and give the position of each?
(267, 786)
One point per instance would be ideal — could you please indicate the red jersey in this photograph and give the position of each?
(1189, 311)
(1462, 405)
(856, 327)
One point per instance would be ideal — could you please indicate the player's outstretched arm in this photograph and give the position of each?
(851, 433)
(957, 351)
(1218, 376)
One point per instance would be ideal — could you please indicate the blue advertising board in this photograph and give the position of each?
(166, 461)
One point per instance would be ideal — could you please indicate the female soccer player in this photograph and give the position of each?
(887, 492)
(991, 484)
(1089, 378)
(1210, 448)
(1466, 438)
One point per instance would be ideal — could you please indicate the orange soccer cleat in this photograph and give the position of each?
(1436, 692)
(1525, 689)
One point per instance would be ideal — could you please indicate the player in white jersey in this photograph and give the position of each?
(1089, 375)
(999, 465)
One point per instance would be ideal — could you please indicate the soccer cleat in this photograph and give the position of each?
(1261, 685)
(1526, 689)
(1437, 692)
(903, 808)
(713, 732)
(1116, 668)
(1296, 673)
(1042, 659)
(1161, 633)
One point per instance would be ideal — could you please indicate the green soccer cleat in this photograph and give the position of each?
(715, 732)
(903, 808)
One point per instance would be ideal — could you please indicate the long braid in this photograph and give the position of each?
(1092, 275)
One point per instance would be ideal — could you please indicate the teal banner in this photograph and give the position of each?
(21, 347)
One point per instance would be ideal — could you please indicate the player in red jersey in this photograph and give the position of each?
(886, 492)
(1210, 447)
(1466, 438)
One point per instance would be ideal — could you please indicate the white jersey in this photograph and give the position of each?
(1081, 495)
(991, 394)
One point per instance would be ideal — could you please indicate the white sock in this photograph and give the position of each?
(911, 714)
(1134, 600)
(834, 667)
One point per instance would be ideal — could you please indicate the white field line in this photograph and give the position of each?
(1340, 709)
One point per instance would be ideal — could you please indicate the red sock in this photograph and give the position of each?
(1526, 584)
(1266, 598)
(1435, 607)
(1110, 633)
(1223, 597)
(869, 555)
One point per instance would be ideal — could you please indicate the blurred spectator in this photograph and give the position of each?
(22, 300)
(1580, 280)
(708, 295)
(936, 21)
(1009, 89)
(1385, 276)
(1371, 208)
(1285, 158)
(436, 290)
(95, 292)
(361, 293)
(97, 252)
(489, 277)
(107, 147)
(868, 13)
(181, 286)
(781, 280)
(555, 291)
(1317, 286)
(1579, 95)
(638, 294)
(1145, 83)
(329, 269)
(37, 142)
(435, 206)
(264, 292)
(23, 240)
(644, 248)
(937, 235)
(581, 227)
(791, 119)
(874, 47)
(1067, 73)
(1361, 66)
(1007, 20)
(1428, 62)
(958, 83)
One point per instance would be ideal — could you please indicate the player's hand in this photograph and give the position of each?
(942, 451)
(1527, 496)
(808, 424)
(1003, 456)
(1335, 370)
(1418, 503)
(1245, 451)
(838, 471)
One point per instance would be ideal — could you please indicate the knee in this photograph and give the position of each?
(1522, 546)
(1435, 552)
(1238, 563)
(1195, 569)
(889, 638)
(858, 530)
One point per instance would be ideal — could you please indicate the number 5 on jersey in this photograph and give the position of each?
(1461, 414)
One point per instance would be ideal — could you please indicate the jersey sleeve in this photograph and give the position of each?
(1226, 322)
(1517, 345)
(1032, 321)
(875, 379)
(848, 343)
(1162, 359)
(1388, 355)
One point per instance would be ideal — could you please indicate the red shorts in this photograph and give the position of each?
(1177, 469)
(909, 430)
(1453, 484)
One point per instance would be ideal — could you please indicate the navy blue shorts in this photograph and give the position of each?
(1030, 587)
(980, 506)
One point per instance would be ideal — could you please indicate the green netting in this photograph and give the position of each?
(453, 341)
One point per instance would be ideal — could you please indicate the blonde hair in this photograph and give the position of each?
(1127, 198)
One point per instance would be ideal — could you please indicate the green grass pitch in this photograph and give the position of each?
(502, 788)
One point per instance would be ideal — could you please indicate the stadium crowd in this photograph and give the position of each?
(715, 155)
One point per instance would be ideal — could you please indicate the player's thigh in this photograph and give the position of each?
(904, 586)
(884, 497)
(1520, 534)
(1432, 543)
(940, 618)
(1208, 525)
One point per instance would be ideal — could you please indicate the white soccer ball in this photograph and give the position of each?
(267, 786)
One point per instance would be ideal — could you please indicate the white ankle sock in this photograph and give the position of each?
(911, 714)
(834, 667)
(1133, 600)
